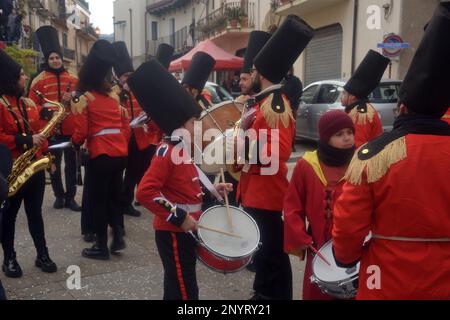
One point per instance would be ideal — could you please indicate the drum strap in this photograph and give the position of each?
(406, 239)
(208, 185)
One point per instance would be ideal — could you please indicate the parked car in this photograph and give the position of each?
(218, 93)
(320, 97)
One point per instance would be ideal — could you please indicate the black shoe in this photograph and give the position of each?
(251, 267)
(258, 296)
(11, 268)
(72, 205)
(46, 264)
(59, 203)
(131, 211)
(96, 253)
(117, 245)
(89, 237)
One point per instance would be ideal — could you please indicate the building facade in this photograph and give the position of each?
(144, 24)
(347, 29)
(72, 20)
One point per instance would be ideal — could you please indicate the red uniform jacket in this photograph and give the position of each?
(148, 135)
(53, 87)
(411, 200)
(367, 125)
(307, 199)
(17, 136)
(267, 191)
(178, 183)
(446, 116)
(95, 116)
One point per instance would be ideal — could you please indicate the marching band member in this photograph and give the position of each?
(57, 84)
(256, 42)
(171, 107)
(355, 97)
(397, 187)
(140, 148)
(20, 122)
(196, 77)
(315, 186)
(262, 193)
(102, 123)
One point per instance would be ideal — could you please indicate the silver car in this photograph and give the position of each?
(320, 97)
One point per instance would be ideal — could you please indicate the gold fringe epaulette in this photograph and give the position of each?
(363, 115)
(115, 96)
(81, 102)
(375, 166)
(276, 111)
(38, 78)
(116, 89)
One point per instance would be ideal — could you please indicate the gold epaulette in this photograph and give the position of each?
(116, 89)
(115, 96)
(276, 108)
(375, 163)
(363, 114)
(78, 106)
(38, 78)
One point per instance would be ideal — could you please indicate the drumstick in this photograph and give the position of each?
(230, 222)
(220, 231)
(319, 254)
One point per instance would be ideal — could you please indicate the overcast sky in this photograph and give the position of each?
(102, 15)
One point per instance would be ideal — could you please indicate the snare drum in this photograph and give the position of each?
(337, 282)
(224, 253)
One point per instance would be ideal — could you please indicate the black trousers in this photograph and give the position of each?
(87, 220)
(273, 276)
(179, 258)
(70, 170)
(105, 181)
(138, 162)
(32, 194)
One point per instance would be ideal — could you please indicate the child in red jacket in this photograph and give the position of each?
(316, 184)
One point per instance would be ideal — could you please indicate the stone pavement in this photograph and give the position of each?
(136, 274)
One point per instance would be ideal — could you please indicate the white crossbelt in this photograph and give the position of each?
(406, 239)
(105, 132)
(190, 208)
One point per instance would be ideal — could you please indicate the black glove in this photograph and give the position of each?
(177, 218)
(46, 114)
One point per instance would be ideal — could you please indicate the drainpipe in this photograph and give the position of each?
(355, 27)
(131, 33)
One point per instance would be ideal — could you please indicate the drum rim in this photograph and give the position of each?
(214, 107)
(219, 254)
(355, 275)
(227, 271)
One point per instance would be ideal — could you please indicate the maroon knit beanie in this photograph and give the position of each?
(332, 122)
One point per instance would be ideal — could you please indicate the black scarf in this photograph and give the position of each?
(55, 71)
(334, 157)
(420, 124)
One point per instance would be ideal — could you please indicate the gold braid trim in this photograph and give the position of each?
(115, 96)
(78, 107)
(272, 117)
(363, 117)
(378, 165)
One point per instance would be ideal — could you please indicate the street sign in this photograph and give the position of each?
(393, 45)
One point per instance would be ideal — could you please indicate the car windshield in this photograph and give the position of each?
(385, 93)
(218, 94)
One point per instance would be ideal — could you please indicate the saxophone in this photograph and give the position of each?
(26, 166)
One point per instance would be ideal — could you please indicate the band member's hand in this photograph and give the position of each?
(189, 224)
(223, 188)
(38, 140)
(67, 97)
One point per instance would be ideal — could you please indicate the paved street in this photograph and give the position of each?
(136, 274)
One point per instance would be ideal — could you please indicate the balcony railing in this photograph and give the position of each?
(178, 40)
(69, 53)
(230, 16)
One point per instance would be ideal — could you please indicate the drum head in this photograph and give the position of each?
(332, 273)
(223, 245)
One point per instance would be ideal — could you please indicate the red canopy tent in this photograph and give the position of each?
(224, 60)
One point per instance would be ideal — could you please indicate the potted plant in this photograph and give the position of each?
(244, 20)
(233, 14)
